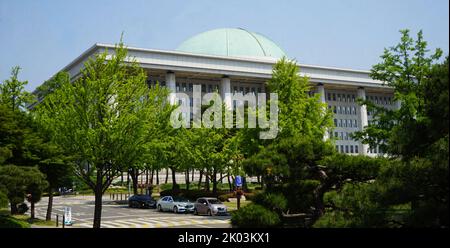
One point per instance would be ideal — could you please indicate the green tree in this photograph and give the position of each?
(416, 133)
(12, 92)
(20, 181)
(290, 163)
(101, 118)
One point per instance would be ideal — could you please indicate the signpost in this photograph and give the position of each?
(238, 184)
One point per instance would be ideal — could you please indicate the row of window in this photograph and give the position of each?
(352, 123)
(343, 110)
(347, 148)
(342, 135)
(375, 150)
(341, 97)
(386, 100)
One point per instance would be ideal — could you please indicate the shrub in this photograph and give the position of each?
(225, 197)
(10, 222)
(272, 201)
(254, 215)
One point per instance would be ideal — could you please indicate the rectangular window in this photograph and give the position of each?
(329, 96)
(259, 89)
(178, 86)
(353, 98)
(334, 96)
(346, 149)
(190, 87)
(336, 134)
(337, 148)
(351, 149)
(334, 109)
(335, 122)
(355, 123)
(356, 149)
(235, 88)
(339, 97)
(342, 148)
(350, 123)
(203, 88)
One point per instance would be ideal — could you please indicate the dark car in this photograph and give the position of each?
(141, 201)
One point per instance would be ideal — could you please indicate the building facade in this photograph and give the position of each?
(237, 60)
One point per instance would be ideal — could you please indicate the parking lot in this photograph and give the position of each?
(121, 216)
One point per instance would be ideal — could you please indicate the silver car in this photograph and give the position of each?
(174, 203)
(209, 206)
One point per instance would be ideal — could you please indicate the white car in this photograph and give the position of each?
(175, 204)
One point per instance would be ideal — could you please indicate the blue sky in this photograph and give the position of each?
(44, 36)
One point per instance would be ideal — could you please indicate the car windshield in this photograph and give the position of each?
(179, 199)
(214, 201)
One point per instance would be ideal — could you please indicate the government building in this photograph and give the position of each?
(233, 60)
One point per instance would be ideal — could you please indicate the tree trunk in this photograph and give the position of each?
(207, 179)
(244, 183)
(134, 178)
(167, 175)
(200, 179)
(146, 176)
(192, 173)
(151, 176)
(32, 210)
(98, 200)
(214, 181)
(157, 176)
(48, 216)
(187, 179)
(14, 209)
(174, 181)
(221, 177)
(121, 178)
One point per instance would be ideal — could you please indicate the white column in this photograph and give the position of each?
(171, 84)
(363, 117)
(225, 90)
(321, 92)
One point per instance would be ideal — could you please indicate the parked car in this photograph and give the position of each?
(209, 206)
(141, 201)
(176, 204)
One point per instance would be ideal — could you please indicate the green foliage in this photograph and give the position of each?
(254, 215)
(17, 181)
(273, 201)
(52, 84)
(12, 93)
(10, 222)
(407, 68)
(105, 118)
(3, 198)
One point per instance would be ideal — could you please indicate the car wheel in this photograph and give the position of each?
(130, 204)
(159, 208)
(209, 212)
(175, 209)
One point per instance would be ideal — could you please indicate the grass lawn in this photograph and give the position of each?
(21, 221)
(232, 206)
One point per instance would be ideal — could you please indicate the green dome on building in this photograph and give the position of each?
(234, 42)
